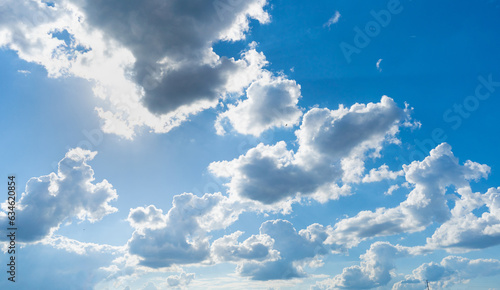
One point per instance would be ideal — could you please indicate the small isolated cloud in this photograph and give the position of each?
(334, 19)
(330, 142)
(24, 72)
(52, 199)
(378, 64)
(391, 189)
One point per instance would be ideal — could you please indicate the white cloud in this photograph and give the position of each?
(81, 248)
(378, 64)
(52, 199)
(271, 173)
(296, 250)
(334, 19)
(451, 271)
(179, 237)
(256, 247)
(391, 189)
(465, 231)
(24, 72)
(181, 280)
(151, 61)
(425, 204)
(147, 218)
(271, 102)
(409, 284)
(381, 173)
(374, 270)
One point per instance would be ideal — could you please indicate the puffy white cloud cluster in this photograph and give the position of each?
(464, 230)
(425, 204)
(374, 270)
(180, 236)
(450, 271)
(256, 247)
(330, 141)
(52, 199)
(181, 280)
(147, 218)
(296, 250)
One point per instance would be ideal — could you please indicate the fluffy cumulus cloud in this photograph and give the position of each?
(425, 204)
(181, 280)
(271, 102)
(296, 250)
(466, 231)
(151, 61)
(450, 271)
(374, 270)
(180, 236)
(147, 218)
(329, 142)
(256, 247)
(52, 199)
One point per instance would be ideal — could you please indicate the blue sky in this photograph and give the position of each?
(251, 144)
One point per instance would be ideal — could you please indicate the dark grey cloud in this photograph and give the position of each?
(270, 174)
(172, 44)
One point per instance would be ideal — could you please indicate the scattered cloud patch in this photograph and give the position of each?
(425, 204)
(465, 231)
(374, 270)
(450, 271)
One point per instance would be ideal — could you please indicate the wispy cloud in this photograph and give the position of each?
(378, 64)
(334, 19)
(24, 72)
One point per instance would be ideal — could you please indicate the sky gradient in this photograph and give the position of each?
(260, 144)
